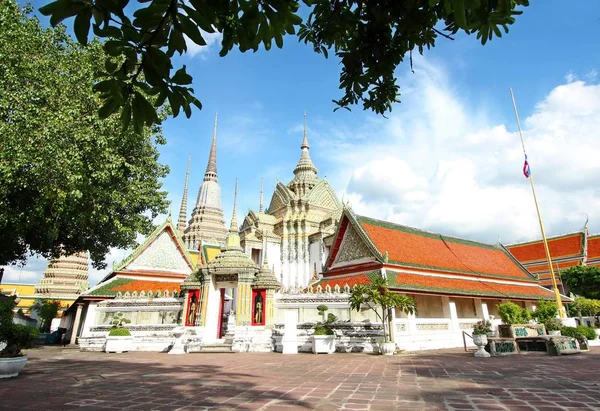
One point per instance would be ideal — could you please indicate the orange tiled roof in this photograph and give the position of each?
(593, 247)
(469, 287)
(415, 248)
(124, 285)
(543, 267)
(444, 285)
(560, 247)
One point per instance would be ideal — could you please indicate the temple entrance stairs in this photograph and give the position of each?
(222, 345)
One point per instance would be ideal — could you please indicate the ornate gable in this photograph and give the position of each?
(162, 251)
(322, 195)
(162, 254)
(281, 198)
(352, 248)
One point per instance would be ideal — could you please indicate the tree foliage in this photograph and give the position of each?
(583, 280)
(512, 313)
(47, 310)
(69, 180)
(544, 311)
(378, 297)
(370, 38)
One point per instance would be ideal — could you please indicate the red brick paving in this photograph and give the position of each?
(56, 379)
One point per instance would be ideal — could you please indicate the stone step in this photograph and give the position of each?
(214, 348)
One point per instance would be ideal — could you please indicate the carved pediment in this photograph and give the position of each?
(353, 248)
(322, 195)
(281, 198)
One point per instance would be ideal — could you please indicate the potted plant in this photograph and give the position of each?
(378, 297)
(553, 326)
(324, 338)
(119, 338)
(15, 337)
(480, 331)
(511, 314)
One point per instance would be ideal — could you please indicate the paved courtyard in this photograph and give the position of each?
(57, 379)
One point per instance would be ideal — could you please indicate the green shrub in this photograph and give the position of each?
(544, 311)
(553, 324)
(571, 332)
(511, 313)
(321, 329)
(119, 332)
(322, 308)
(589, 332)
(16, 336)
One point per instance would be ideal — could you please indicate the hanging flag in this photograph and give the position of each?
(526, 169)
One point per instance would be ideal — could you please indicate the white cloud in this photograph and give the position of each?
(441, 164)
(212, 40)
(20, 275)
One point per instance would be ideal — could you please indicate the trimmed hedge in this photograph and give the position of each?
(119, 332)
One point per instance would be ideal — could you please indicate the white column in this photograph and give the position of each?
(212, 312)
(75, 329)
(454, 325)
(478, 308)
(290, 333)
(90, 319)
(485, 311)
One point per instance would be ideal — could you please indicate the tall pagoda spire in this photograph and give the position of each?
(207, 222)
(183, 210)
(305, 171)
(260, 207)
(211, 167)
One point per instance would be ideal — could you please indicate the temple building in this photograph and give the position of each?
(566, 251)
(300, 216)
(237, 289)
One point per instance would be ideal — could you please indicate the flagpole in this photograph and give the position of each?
(548, 257)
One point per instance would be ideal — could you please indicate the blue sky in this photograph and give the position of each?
(447, 159)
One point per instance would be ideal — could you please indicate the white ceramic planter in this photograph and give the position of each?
(323, 344)
(480, 340)
(554, 332)
(387, 348)
(11, 367)
(118, 344)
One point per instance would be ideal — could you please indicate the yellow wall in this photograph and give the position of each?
(26, 294)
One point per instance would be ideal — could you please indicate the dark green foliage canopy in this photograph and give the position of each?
(68, 179)
(370, 38)
(583, 280)
(47, 310)
(16, 336)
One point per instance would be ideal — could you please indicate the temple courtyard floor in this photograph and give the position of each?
(57, 379)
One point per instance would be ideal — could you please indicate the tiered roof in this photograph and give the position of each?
(566, 251)
(424, 262)
(593, 250)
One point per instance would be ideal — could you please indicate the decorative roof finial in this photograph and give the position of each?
(305, 171)
(260, 207)
(305, 139)
(233, 228)
(211, 168)
(184, 200)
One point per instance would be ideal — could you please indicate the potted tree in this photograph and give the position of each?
(15, 337)
(511, 314)
(378, 297)
(324, 338)
(119, 338)
(480, 332)
(553, 326)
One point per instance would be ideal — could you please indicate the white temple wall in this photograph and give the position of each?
(90, 318)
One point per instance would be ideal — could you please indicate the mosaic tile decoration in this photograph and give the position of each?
(163, 255)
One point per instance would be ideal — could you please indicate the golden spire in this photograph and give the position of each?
(233, 227)
(305, 170)
(184, 200)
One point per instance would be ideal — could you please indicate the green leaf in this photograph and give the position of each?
(190, 29)
(109, 107)
(181, 77)
(82, 25)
